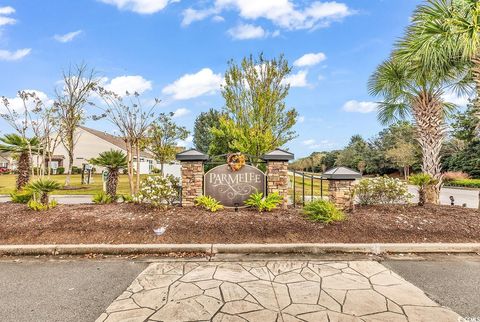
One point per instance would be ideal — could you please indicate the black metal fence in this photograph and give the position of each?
(305, 186)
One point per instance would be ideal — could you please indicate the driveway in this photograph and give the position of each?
(79, 290)
(63, 199)
(235, 290)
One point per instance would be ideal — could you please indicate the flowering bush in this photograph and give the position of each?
(382, 190)
(455, 175)
(158, 190)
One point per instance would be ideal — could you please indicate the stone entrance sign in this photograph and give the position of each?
(232, 188)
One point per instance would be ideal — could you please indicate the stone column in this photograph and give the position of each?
(277, 173)
(192, 181)
(340, 192)
(192, 175)
(277, 179)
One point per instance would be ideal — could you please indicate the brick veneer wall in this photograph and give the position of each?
(192, 181)
(277, 179)
(340, 192)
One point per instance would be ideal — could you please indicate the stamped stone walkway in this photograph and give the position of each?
(273, 291)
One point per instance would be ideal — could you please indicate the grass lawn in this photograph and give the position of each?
(7, 184)
(308, 186)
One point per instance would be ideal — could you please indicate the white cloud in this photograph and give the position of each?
(452, 97)
(310, 59)
(297, 80)
(191, 15)
(218, 18)
(181, 112)
(5, 11)
(140, 6)
(247, 31)
(301, 119)
(8, 55)
(122, 84)
(16, 103)
(313, 144)
(68, 36)
(185, 143)
(194, 85)
(284, 13)
(360, 107)
(309, 142)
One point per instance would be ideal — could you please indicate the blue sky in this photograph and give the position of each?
(178, 51)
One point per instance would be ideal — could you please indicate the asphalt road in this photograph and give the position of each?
(80, 290)
(461, 196)
(50, 291)
(452, 283)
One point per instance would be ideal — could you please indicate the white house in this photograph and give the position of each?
(90, 143)
(6, 161)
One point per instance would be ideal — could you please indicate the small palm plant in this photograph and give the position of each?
(422, 181)
(21, 148)
(43, 187)
(113, 160)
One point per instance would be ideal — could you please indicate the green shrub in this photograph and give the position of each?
(422, 181)
(468, 183)
(23, 196)
(158, 190)
(41, 189)
(268, 203)
(126, 198)
(76, 170)
(324, 211)
(208, 203)
(38, 206)
(102, 198)
(60, 170)
(381, 190)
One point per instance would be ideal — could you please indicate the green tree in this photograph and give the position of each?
(408, 89)
(163, 137)
(113, 160)
(21, 148)
(403, 155)
(257, 119)
(330, 159)
(355, 154)
(445, 34)
(462, 152)
(203, 139)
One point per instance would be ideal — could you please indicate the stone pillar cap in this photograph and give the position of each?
(278, 155)
(341, 173)
(191, 155)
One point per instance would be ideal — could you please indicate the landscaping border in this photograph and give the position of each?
(131, 249)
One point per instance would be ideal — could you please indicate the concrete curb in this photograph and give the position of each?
(130, 249)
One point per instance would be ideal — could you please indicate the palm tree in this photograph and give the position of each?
(446, 34)
(22, 148)
(113, 160)
(407, 90)
(43, 187)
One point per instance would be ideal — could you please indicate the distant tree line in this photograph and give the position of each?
(395, 148)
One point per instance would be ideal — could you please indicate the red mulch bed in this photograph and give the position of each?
(129, 223)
